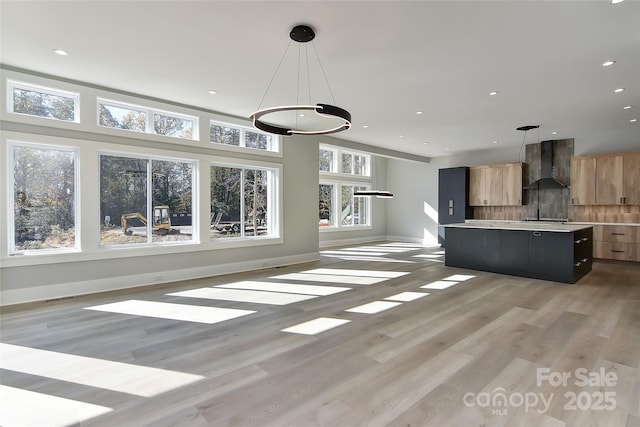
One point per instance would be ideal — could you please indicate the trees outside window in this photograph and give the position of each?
(341, 173)
(44, 182)
(241, 202)
(112, 114)
(44, 102)
(126, 186)
(240, 136)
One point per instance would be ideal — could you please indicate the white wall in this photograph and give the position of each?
(412, 215)
(26, 278)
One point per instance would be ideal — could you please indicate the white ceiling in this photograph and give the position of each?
(384, 61)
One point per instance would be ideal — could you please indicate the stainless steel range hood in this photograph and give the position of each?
(547, 178)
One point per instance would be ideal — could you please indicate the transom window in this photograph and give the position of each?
(239, 136)
(342, 173)
(38, 101)
(116, 115)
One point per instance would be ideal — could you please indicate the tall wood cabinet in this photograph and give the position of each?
(496, 185)
(608, 179)
(631, 175)
(583, 181)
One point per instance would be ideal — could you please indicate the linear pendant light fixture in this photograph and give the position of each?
(380, 194)
(302, 34)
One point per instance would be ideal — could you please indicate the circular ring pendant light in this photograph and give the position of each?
(302, 34)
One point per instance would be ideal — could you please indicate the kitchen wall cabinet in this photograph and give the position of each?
(631, 184)
(609, 180)
(606, 179)
(583, 181)
(496, 185)
(512, 177)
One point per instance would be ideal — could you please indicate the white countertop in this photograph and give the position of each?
(522, 225)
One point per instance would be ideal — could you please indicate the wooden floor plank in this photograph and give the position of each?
(410, 365)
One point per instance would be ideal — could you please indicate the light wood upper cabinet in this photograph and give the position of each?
(609, 180)
(477, 186)
(583, 180)
(495, 185)
(512, 175)
(631, 184)
(606, 179)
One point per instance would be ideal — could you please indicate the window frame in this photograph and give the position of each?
(150, 158)
(273, 200)
(273, 147)
(11, 205)
(15, 84)
(149, 120)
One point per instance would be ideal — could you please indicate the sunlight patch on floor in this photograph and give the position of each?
(106, 374)
(407, 296)
(243, 295)
(329, 278)
(439, 284)
(285, 287)
(315, 326)
(373, 307)
(348, 252)
(357, 273)
(367, 259)
(165, 310)
(29, 408)
(459, 277)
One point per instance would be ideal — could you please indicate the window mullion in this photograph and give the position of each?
(149, 201)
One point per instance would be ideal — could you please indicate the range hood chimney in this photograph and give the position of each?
(547, 180)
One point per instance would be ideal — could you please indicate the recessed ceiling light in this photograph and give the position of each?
(301, 115)
(554, 133)
(212, 92)
(400, 136)
(628, 107)
(633, 120)
(620, 89)
(616, 1)
(61, 52)
(608, 63)
(418, 112)
(426, 142)
(365, 126)
(495, 142)
(494, 93)
(447, 149)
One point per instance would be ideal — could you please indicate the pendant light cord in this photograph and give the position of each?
(274, 75)
(323, 73)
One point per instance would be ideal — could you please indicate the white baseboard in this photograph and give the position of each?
(66, 290)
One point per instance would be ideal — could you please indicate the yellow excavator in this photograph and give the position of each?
(161, 221)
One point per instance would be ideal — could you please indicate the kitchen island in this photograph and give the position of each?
(559, 252)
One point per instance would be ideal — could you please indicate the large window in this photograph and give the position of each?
(117, 115)
(44, 102)
(239, 136)
(341, 173)
(44, 208)
(145, 200)
(242, 203)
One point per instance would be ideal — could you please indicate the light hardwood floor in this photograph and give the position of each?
(484, 351)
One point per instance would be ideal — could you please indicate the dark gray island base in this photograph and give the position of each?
(555, 252)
